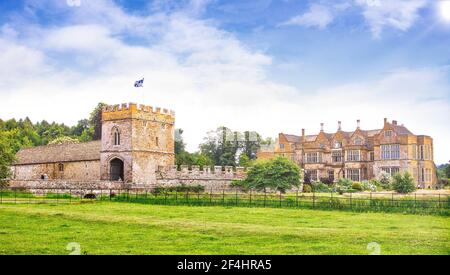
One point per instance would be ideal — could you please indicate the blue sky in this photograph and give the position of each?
(244, 64)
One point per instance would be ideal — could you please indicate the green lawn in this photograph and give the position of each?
(129, 228)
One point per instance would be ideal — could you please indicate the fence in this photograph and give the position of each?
(385, 202)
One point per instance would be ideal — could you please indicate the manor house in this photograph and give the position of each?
(359, 155)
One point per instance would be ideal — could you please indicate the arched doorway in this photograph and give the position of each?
(116, 169)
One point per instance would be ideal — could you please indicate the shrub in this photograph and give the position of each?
(307, 188)
(326, 180)
(320, 187)
(278, 174)
(403, 183)
(357, 186)
(385, 180)
(370, 185)
(345, 183)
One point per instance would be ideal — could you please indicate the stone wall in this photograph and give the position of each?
(214, 179)
(74, 170)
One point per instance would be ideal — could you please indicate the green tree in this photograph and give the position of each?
(95, 121)
(6, 157)
(179, 142)
(403, 183)
(64, 140)
(279, 174)
(244, 160)
(447, 171)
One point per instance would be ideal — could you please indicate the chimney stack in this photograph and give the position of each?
(358, 123)
(339, 125)
(385, 121)
(303, 132)
(321, 127)
(394, 122)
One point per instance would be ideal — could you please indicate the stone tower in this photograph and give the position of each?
(135, 141)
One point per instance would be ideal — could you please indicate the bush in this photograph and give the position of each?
(357, 186)
(403, 183)
(307, 188)
(326, 180)
(344, 185)
(385, 181)
(370, 185)
(320, 187)
(278, 174)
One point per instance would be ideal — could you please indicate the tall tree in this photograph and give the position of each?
(95, 121)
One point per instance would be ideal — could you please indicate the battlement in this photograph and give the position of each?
(139, 111)
(195, 172)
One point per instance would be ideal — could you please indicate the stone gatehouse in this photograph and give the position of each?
(136, 149)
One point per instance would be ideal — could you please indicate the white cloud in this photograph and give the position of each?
(205, 74)
(317, 16)
(397, 14)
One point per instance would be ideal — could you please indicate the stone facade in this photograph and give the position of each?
(359, 155)
(212, 178)
(136, 150)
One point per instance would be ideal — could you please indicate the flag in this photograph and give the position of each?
(139, 83)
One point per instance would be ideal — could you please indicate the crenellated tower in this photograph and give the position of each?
(136, 139)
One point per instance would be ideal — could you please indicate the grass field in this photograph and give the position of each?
(128, 228)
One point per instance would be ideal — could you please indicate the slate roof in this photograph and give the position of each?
(59, 153)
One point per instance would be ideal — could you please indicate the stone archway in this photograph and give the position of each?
(116, 169)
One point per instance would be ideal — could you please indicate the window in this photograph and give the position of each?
(331, 175)
(371, 156)
(353, 174)
(337, 144)
(358, 141)
(388, 133)
(281, 146)
(61, 167)
(322, 145)
(428, 175)
(336, 156)
(425, 152)
(415, 154)
(311, 174)
(391, 170)
(390, 151)
(353, 155)
(313, 157)
(157, 141)
(116, 136)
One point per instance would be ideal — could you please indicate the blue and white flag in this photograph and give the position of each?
(139, 83)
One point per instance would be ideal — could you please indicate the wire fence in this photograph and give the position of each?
(417, 203)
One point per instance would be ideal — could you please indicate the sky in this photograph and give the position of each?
(260, 65)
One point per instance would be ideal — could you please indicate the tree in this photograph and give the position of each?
(279, 174)
(225, 146)
(95, 121)
(385, 180)
(6, 157)
(179, 143)
(244, 160)
(403, 183)
(64, 140)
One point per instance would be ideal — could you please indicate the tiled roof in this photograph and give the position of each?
(401, 130)
(60, 153)
(292, 138)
